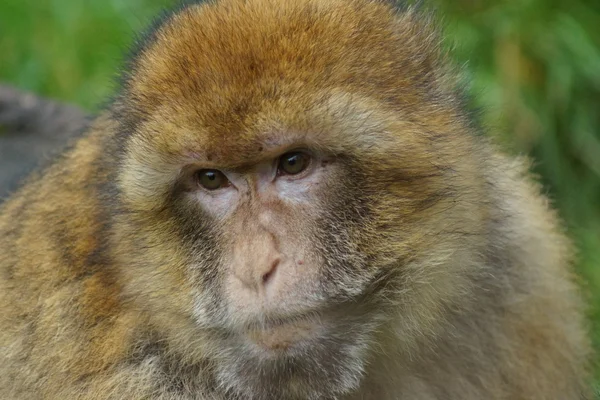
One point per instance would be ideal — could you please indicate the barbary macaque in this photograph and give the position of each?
(287, 200)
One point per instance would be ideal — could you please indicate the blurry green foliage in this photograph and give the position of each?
(69, 49)
(532, 67)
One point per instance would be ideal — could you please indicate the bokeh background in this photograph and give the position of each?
(531, 66)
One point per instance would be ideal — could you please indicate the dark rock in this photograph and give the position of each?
(32, 131)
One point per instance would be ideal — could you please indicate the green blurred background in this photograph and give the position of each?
(532, 66)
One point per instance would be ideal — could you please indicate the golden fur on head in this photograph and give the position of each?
(432, 267)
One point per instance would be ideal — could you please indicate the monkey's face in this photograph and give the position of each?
(288, 276)
(277, 185)
(267, 232)
(284, 234)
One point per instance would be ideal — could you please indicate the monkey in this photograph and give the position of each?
(32, 129)
(288, 200)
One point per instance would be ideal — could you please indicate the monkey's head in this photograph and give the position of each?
(287, 183)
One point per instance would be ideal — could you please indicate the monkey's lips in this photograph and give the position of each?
(285, 335)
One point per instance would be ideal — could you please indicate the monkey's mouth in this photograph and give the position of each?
(286, 335)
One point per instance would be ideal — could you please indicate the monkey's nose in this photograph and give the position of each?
(269, 274)
(258, 274)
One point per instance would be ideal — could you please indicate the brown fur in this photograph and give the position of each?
(456, 281)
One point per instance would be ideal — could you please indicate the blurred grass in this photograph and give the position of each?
(533, 67)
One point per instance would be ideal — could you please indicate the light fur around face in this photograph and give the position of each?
(407, 259)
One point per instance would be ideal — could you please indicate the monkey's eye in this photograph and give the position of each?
(293, 163)
(211, 179)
